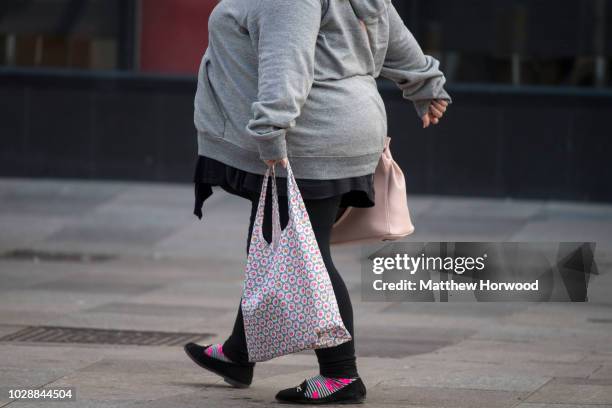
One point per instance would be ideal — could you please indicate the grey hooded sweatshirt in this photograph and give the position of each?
(296, 79)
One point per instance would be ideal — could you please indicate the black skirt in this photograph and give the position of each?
(356, 191)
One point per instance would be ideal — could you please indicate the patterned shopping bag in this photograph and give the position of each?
(288, 303)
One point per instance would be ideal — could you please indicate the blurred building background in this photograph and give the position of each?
(104, 89)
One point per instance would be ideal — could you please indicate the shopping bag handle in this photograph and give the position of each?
(276, 225)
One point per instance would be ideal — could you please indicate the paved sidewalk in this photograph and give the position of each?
(131, 256)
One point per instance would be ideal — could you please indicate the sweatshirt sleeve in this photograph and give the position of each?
(284, 33)
(416, 74)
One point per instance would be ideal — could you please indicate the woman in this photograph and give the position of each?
(295, 80)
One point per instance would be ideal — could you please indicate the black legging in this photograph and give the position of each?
(335, 362)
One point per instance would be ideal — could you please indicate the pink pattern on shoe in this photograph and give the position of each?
(216, 351)
(331, 384)
(322, 387)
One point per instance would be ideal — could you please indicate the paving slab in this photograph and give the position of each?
(477, 378)
(603, 372)
(444, 397)
(537, 405)
(574, 391)
(79, 403)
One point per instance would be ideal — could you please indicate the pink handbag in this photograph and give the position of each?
(288, 302)
(389, 219)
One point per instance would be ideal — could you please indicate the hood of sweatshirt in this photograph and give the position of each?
(368, 9)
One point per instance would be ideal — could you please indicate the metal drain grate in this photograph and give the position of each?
(47, 256)
(51, 334)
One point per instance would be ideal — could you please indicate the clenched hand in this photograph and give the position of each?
(437, 107)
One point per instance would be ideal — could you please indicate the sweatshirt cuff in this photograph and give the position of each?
(272, 145)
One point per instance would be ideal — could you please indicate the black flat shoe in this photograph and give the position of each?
(236, 375)
(353, 393)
